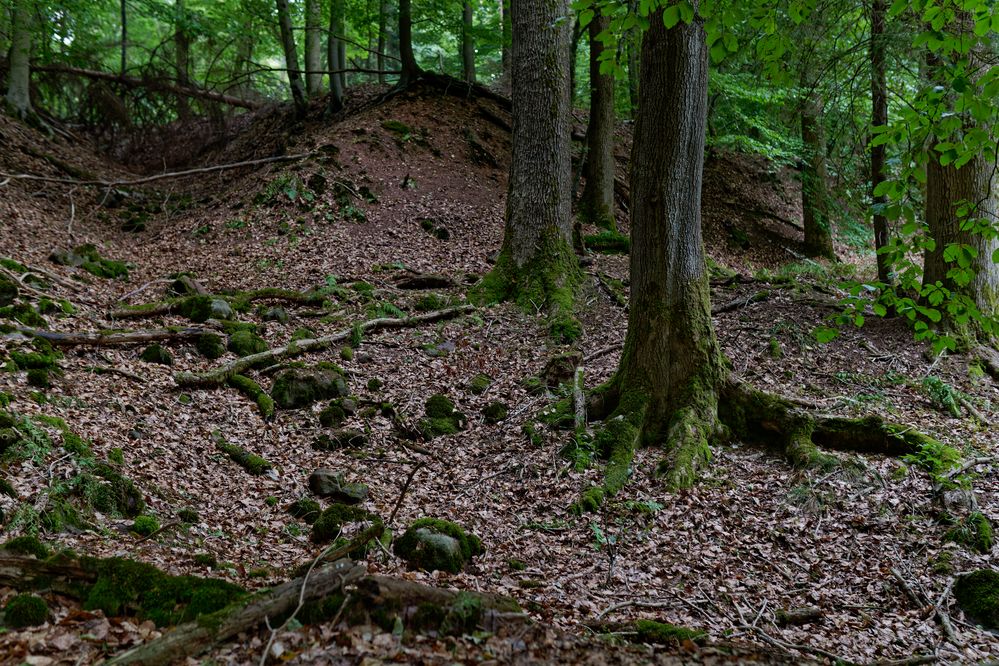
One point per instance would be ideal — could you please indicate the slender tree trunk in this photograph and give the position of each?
(382, 38)
(577, 34)
(182, 46)
(506, 28)
(633, 74)
(19, 74)
(313, 47)
(291, 58)
(666, 389)
(244, 54)
(879, 117)
(124, 38)
(410, 70)
(333, 56)
(597, 205)
(536, 266)
(814, 194)
(467, 43)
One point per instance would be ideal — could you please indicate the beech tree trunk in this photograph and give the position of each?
(291, 58)
(597, 204)
(313, 48)
(666, 388)
(19, 74)
(334, 55)
(879, 117)
(410, 70)
(467, 43)
(182, 48)
(536, 265)
(814, 194)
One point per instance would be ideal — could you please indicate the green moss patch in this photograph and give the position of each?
(300, 387)
(432, 544)
(977, 594)
(252, 390)
(661, 633)
(974, 531)
(246, 343)
(156, 354)
(305, 508)
(495, 411)
(331, 521)
(27, 545)
(89, 259)
(608, 242)
(210, 346)
(25, 610)
(442, 417)
(252, 463)
(145, 525)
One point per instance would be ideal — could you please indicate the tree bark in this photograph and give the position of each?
(410, 70)
(182, 54)
(313, 48)
(536, 266)
(597, 204)
(879, 117)
(333, 55)
(666, 388)
(382, 37)
(814, 194)
(467, 43)
(19, 74)
(633, 73)
(507, 29)
(291, 58)
(577, 34)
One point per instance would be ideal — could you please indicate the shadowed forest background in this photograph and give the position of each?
(343, 331)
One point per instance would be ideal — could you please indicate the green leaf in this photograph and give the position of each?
(585, 17)
(824, 334)
(686, 11)
(671, 16)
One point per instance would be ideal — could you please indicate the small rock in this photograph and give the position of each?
(432, 545)
(277, 314)
(300, 387)
(327, 483)
(495, 411)
(363, 357)
(8, 292)
(156, 354)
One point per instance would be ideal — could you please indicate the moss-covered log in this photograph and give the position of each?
(252, 390)
(220, 375)
(59, 339)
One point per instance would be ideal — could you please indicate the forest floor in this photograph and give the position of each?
(753, 536)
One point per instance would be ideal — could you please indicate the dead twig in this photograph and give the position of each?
(405, 488)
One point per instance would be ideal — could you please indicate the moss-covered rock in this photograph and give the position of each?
(442, 417)
(974, 531)
(200, 308)
(305, 508)
(329, 524)
(300, 387)
(210, 346)
(479, 383)
(437, 545)
(156, 354)
(25, 610)
(8, 291)
(348, 438)
(277, 314)
(661, 633)
(27, 545)
(977, 594)
(333, 414)
(495, 411)
(89, 259)
(145, 525)
(334, 485)
(39, 378)
(303, 334)
(246, 343)
(109, 492)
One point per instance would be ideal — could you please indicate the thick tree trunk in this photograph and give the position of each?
(19, 75)
(814, 195)
(291, 58)
(597, 205)
(879, 117)
(946, 188)
(182, 48)
(313, 48)
(410, 70)
(467, 43)
(536, 265)
(333, 51)
(666, 389)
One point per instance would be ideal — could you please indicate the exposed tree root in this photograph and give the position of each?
(220, 375)
(113, 339)
(989, 358)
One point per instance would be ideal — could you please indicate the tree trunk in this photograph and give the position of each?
(182, 48)
(313, 48)
(946, 188)
(814, 196)
(633, 73)
(507, 28)
(577, 34)
(333, 56)
(382, 38)
(536, 264)
(597, 205)
(879, 117)
(124, 38)
(19, 75)
(467, 43)
(291, 58)
(666, 388)
(410, 70)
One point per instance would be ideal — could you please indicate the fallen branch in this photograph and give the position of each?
(155, 177)
(741, 302)
(219, 375)
(112, 339)
(579, 399)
